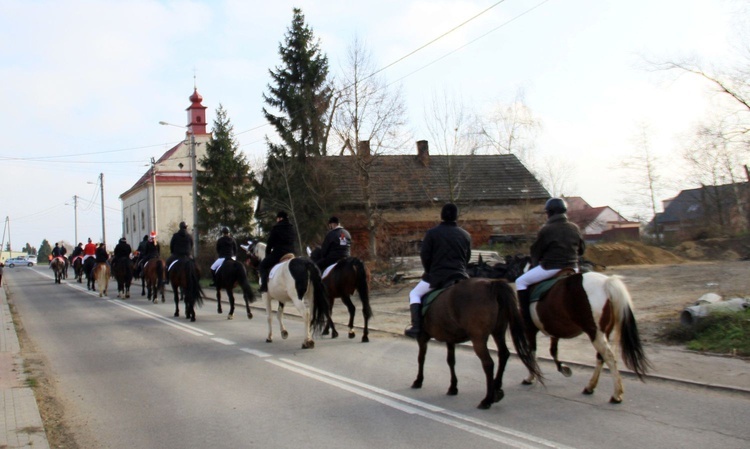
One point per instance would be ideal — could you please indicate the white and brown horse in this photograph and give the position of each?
(596, 305)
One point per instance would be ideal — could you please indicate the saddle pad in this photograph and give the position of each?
(273, 271)
(543, 287)
(328, 270)
(171, 264)
(429, 297)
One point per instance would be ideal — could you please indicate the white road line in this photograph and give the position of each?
(223, 341)
(255, 352)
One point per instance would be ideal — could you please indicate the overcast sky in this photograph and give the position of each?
(85, 83)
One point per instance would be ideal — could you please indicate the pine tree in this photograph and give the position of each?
(302, 96)
(225, 190)
(44, 251)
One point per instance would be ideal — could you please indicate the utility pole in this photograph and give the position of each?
(195, 194)
(75, 214)
(104, 232)
(153, 195)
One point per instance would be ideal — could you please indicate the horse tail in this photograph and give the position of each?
(193, 289)
(159, 267)
(320, 307)
(506, 298)
(625, 325)
(363, 286)
(247, 291)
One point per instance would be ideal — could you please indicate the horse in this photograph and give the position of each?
(296, 280)
(122, 270)
(594, 304)
(152, 279)
(58, 268)
(65, 269)
(228, 276)
(185, 277)
(347, 276)
(78, 268)
(472, 310)
(88, 269)
(102, 272)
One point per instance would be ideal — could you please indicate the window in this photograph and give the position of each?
(143, 219)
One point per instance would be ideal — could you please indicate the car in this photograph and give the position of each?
(21, 261)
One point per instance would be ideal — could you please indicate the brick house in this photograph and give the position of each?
(601, 223)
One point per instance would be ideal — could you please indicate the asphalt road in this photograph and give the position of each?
(131, 375)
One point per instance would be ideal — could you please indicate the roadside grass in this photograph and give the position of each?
(721, 332)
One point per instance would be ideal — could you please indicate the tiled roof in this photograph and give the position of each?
(688, 204)
(584, 217)
(405, 180)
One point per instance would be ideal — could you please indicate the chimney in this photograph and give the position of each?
(363, 149)
(423, 152)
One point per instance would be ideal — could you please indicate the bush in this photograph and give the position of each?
(721, 332)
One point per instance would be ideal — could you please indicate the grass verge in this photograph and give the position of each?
(721, 332)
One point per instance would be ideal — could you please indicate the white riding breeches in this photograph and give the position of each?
(534, 275)
(217, 264)
(421, 289)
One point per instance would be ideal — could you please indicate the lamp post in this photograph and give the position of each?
(194, 175)
(75, 217)
(101, 185)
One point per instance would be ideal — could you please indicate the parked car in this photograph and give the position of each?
(20, 261)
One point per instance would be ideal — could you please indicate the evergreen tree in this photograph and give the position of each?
(299, 99)
(225, 189)
(44, 251)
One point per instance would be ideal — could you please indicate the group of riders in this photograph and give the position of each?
(445, 253)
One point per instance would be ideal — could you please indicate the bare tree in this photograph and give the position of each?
(368, 110)
(512, 128)
(556, 175)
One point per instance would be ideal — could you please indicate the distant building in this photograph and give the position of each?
(601, 223)
(161, 199)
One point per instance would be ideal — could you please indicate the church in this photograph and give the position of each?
(163, 196)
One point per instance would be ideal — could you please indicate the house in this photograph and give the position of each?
(705, 211)
(497, 196)
(600, 223)
(163, 196)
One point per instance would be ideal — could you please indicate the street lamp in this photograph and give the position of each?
(194, 175)
(101, 185)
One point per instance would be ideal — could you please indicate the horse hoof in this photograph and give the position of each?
(587, 391)
(417, 384)
(230, 317)
(284, 334)
(527, 382)
(249, 316)
(452, 391)
(351, 334)
(484, 405)
(499, 395)
(325, 332)
(177, 314)
(269, 340)
(566, 371)
(614, 400)
(365, 339)
(308, 344)
(335, 334)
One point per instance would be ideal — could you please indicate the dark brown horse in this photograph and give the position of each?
(594, 304)
(185, 279)
(58, 268)
(122, 270)
(349, 275)
(152, 280)
(472, 310)
(88, 270)
(230, 275)
(78, 268)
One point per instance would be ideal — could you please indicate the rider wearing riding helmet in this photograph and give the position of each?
(181, 244)
(337, 245)
(558, 245)
(122, 251)
(226, 247)
(445, 253)
(281, 241)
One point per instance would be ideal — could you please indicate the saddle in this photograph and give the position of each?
(539, 289)
(432, 296)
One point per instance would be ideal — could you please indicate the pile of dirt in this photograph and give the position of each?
(629, 253)
(715, 249)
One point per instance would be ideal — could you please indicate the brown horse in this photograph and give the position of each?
(77, 263)
(122, 270)
(185, 279)
(152, 279)
(230, 275)
(349, 275)
(472, 310)
(58, 268)
(594, 304)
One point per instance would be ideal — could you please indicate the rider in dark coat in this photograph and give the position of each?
(56, 250)
(337, 245)
(281, 241)
(101, 254)
(63, 252)
(226, 247)
(142, 246)
(181, 244)
(77, 251)
(445, 253)
(122, 252)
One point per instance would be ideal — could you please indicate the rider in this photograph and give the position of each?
(101, 254)
(77, 251)
(56, 250)
(281, 241)
(226, 247)
(142, 246)
(63, 252)
(445, 253)
(122, 251)
(558, 245)
(181, 244)
(336, 245)
(89, 250)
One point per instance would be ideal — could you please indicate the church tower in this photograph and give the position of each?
(196, 114)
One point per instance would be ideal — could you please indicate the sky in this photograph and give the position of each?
(85, 84)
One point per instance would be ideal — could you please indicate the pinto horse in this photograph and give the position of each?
(122, 270)
(347, 276)
(58, 268)
(296, 280)
(472, 310)
(185, 279)
(101, 272)
(152, 279)
(594, 304)
(228, 276)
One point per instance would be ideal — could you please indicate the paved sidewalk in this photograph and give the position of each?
(21, 424)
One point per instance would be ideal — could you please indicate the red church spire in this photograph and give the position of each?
(196, 114)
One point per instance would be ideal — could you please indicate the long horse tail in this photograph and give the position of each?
(159, 271)
(363, 286)
(320, 308)
(193, 289)
(247, 291)
(506, 299)
(625, 325)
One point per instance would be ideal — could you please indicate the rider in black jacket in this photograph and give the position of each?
(226, 247)
(337, 245)
(181, 244)
(281, 241)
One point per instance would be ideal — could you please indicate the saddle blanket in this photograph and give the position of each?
(543, 287)
(327, 270)
(429, 297)
(273, 271)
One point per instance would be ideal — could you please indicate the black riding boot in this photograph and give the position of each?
(213, 279)
(416, 321)
(523, 300)
(263, 282)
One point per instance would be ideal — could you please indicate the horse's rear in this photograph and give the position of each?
(122, 269)
(472, 310)
(58, 267)
(229, 275)
(350, 275)
(152, 280)
(102, 273)
(185, 278)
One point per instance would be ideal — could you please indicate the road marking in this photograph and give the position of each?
(223, 341)
(256, 352)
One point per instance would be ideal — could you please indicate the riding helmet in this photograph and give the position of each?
(283, 215)
(449, 212)
(333, 220)
(183, 225)
(225, 230)
(555, 206)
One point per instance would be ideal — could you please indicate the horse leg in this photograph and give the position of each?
(422, 340)
(347, 300)
(480, 348)
(531, 331)
(503, 354)
(230, 295)
(304, 312)
(605, 352)
(329, 324)
(218, 300)
(143, 287)
(561, 367)
(176, 301)
(269, 316)
(451, 359)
